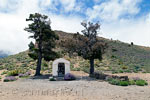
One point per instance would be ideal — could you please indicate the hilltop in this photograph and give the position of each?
(120, 57)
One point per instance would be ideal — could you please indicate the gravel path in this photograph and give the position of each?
(42, 89)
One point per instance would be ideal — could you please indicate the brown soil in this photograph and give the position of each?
(82, 89)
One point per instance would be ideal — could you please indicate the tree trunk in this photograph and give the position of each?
(38, 68)
(91, 66)
(39, 62)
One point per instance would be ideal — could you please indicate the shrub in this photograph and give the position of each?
(127, 71)
(115, 82)
(21, 75)
(52, 79)
(14, 72)
(120, 71)
(76, 69)
(114, 72)
(1, 68)
(85, 69)
(113, 56)
(4, 72)
(124, 83)
(69, 76)
(132, 82)
(10, 78)
(24, 75)
(135, 71)
(44, 64)
(28, 73)
(118, 81)
(109, 78)
(141, 82)
(124, 67)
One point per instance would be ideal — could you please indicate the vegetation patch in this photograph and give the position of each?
(10, 79)
(141, 82)
(25, 75)
(14, 72)
(52, 79)
(69, 76)
(4, 72)
(124, 83)
(119, 82)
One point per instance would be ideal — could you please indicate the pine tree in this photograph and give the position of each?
(44, 39)
(87, 45)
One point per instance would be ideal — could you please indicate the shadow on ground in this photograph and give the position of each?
(46, 76)
(78, 78)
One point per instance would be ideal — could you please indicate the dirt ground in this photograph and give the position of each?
(84, 88)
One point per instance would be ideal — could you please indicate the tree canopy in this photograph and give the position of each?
(87, 45)
(44, 37)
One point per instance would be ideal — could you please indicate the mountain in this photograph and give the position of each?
(3, 54)
(120, 57)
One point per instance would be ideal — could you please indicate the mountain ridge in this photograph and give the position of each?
(3, 54)
(119, 57)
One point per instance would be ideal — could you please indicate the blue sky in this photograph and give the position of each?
(124, 20)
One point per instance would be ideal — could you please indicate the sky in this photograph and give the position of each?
(124, 20)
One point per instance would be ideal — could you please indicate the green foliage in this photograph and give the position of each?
(136, 58)
(127, 71)
(131, 82)
(1, 68)
(125, 56)
(124, 83)
(113, 56)
(119, 82)
(76, 69)
(114, 71)
(141, 82)
(124, 67)
(87, 45)
(121, 71)
(14, 72)
(114, 50)
(114, 81)
(52, 79)
(4, 72)
(43, 35)
(45, 64)
(10, 79)
(86, 70)
(45, 39)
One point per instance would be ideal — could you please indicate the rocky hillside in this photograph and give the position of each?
(119, 58)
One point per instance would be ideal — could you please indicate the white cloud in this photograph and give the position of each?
(46, 2)
(119, 22)
(8, 5)
(112, 10)
(68, 4)
(49, 4)
(131, 30)
(68, 24)
(13, 36)
(71, 5)
(15, 39)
